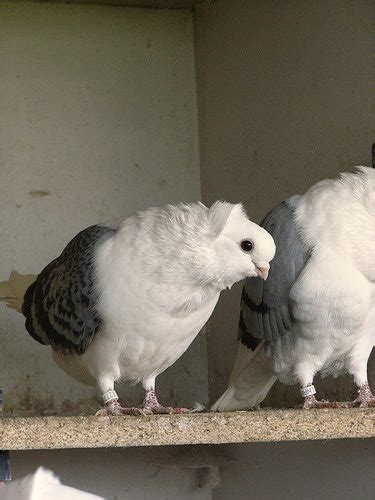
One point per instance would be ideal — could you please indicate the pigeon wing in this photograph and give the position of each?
(265, 308)
(61, 305)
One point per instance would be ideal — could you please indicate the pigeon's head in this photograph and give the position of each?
(242, 248)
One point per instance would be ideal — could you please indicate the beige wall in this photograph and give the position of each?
(284, 97)
(159, 473)
(98, 119)
(334, 470)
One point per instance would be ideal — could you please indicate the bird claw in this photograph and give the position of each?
(117, 409)
(160, 410)
(365, 398)
(150, 406)
(103, 412)
(113, 408)
(367, 404)
(185, 410)
(134, 411)
(310, 402)
(165, 410)
(358, 403)
(109, 412)
(321, 405)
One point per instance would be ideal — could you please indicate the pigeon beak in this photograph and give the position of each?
(262, 270)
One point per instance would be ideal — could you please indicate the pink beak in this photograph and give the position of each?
(262, 270)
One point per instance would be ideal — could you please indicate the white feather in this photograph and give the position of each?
(43, 485)
(251, 379)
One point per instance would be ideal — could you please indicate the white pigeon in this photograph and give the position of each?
(42, 485)
(125, 300)
(316, 312)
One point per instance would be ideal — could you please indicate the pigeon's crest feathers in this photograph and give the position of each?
(222, 213)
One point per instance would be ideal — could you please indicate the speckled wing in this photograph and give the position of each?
(61, 305)
(265, 309)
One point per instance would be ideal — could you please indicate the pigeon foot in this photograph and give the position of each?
(164, 410)
(140, 411)
(151, 405)
(365, 398)
(312, 402)
(113, 408)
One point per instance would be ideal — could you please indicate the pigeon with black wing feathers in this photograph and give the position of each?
(125, 300)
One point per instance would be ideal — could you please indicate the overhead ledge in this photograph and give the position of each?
(151, 4)
(32, 433)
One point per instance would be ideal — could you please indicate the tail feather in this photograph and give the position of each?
(250, 382)
(12, 291)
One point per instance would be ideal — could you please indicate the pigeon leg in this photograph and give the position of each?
(113, 407)
(365, 397)
(151, 405)
(358, 368)
(312, 402)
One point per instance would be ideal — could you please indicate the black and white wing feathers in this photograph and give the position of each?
(60, 306)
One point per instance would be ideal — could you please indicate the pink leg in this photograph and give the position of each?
(114, 408)
(312, 402)
(308, 393)
(365, 397)
(149, 406)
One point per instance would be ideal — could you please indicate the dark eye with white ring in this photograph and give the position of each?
(247, 245)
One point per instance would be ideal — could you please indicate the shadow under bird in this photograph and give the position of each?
(316, 312)
(125, 300)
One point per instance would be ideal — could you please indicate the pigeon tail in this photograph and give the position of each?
(13, 290)
(250, 382)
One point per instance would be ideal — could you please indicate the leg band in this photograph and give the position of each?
(309, 390)
(109, 395)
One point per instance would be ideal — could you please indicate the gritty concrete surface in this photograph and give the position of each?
(205, 428)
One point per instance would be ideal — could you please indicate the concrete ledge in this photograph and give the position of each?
(32, 433)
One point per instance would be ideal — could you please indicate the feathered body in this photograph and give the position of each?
(151, 301)
(316, 312)
(126, 299)
(333, 300)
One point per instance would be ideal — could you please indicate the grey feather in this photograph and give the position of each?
(265, 310)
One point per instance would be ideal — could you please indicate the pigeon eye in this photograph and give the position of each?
(247, 245)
